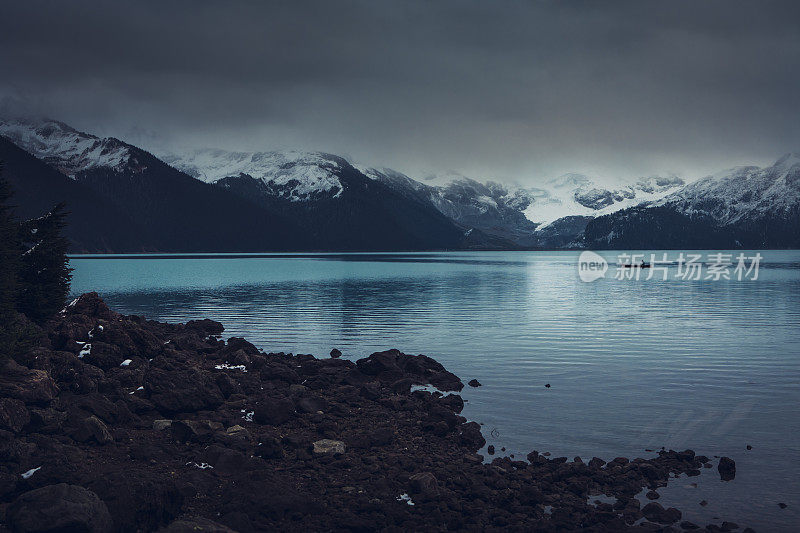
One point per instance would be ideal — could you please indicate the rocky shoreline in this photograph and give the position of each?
(117, 423)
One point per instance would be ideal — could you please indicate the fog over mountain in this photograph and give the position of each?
(511, 92)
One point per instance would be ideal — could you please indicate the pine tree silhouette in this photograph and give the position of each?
(44, 274)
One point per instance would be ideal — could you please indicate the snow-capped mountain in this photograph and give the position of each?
(227, 200)
(295, 176)
(488, 207)
(171, 210)
(742, 193)
(579, 195)
(67, 149)
(330, 198)
(551, 216)
(747, 207)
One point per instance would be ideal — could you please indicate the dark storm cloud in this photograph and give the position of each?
(514, 90)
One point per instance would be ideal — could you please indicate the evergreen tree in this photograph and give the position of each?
(9, 251)
(17, 334)
(44, 274)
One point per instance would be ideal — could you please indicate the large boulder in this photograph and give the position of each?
(28, 385)
(59, 507)
(90, 304)
(92, 428)
(139, 500)
(726, 468)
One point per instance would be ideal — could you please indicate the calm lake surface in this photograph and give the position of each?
(633, 365)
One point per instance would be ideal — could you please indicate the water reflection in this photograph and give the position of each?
(633, 365)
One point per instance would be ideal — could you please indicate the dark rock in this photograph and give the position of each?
(196, 524)
(652, 495)
(274, 411)
(59, 507)
(139, 500)
(689, 525)
(729, 526)
(424, 484)
(726, 468)
(656, 513)
(91, 305)
(13, 414)
(92, 428)
(381, 436)
(474, 383)
(782, 505)
(194, 430)
(703, 503)
(596, 462)
(27, 385)
(749, 447)
(206, 326)
(547, 385)
(186, 390)
(311, 405)
(490, 449)
(335, 353)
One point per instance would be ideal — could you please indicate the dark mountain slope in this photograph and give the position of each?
(93, 223)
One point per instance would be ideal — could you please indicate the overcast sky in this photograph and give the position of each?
(515, 91)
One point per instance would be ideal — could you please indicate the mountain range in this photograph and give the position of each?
(125, 199)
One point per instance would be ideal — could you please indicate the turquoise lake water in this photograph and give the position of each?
(633, 364)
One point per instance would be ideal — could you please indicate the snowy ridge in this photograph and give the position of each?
(293, 175)
(576, 194)
(742, 192)
(68, 150)
(568, 195)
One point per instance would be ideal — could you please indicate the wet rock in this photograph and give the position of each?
(474, 383)
(729, 526)
(470, 436)
(13, 414)
(689, 525)
(652, 495)
(547, 385)
(274, 412)
(596, 462)
(335, 353)
(195, 524)
(59, 507)
(726, 468)
(328, 446)
(490, 449)
(782, 505)
(206, 326)
(656, 513)
(703, 503)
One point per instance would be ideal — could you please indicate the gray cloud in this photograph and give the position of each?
(510, 90)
